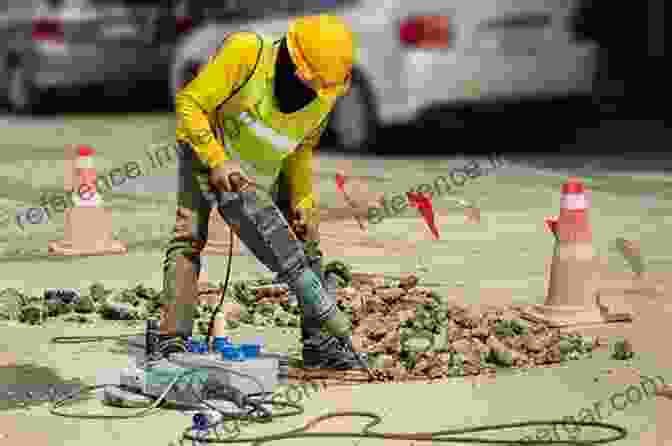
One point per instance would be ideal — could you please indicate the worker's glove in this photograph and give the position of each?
(306, 224)
(228, 177)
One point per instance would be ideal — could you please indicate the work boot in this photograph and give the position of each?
(323, 351)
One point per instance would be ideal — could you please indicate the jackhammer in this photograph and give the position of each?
(266, 232)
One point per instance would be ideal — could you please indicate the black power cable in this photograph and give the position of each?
(443, 436)
(224, 288)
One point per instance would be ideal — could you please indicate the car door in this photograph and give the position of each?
(155, 36)
(525, 48)
(122, 37)
(429, 45)
(480, 50)
(100, 39)
(512, 42)
(566, 63)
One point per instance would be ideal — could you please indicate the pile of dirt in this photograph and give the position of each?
(410, 332)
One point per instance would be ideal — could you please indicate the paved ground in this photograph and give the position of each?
(478, 405)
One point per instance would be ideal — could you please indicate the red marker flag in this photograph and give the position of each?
(551, 224)
(423, 204)
(340, 185)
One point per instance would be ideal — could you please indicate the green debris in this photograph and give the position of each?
(31, 314)
(341, 270)
(98, 292)
(312, 248)
(285, 319)
(508, 328)
(232, 324)
(417, 341)
(243, 294)
(565, 346)
(574, 346)
(246, 316)
(623, 350)
(456, 364)
(55, 309)
(501, 357)
(441, 341)
(86, 305)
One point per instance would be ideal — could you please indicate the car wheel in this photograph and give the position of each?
(354, 124)
(23, 96)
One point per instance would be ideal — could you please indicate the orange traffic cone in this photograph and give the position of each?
(219, 237)
(572, 297)
(88, 226)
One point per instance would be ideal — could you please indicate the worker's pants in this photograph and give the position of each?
(195, 201)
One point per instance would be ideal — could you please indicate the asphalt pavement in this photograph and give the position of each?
(632, 147)
(611, 146)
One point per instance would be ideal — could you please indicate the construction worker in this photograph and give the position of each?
(254, 113)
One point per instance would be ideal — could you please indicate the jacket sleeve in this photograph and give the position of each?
(299, 170)
(225, 71)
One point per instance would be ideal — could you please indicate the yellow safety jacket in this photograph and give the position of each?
(229, 111)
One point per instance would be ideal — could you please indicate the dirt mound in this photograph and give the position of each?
(412, 332)
(409, 332)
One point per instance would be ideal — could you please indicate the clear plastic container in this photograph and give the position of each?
(264, 370)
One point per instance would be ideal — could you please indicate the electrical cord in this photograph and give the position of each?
(243, 401)
(443, 436)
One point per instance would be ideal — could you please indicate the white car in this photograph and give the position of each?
(67, 44)
(422, 53)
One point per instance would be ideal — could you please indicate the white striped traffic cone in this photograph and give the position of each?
(574, 280)
(88, 225)
(86, 195)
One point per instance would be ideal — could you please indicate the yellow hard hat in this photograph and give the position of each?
(323, 49)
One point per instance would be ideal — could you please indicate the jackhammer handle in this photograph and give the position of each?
(237, 181)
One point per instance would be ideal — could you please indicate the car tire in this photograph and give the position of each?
(23, 96)
(354, 125)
